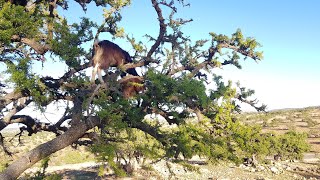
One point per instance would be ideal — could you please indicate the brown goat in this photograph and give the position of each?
(131, 86)
(106, 54)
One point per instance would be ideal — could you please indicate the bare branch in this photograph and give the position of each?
(10, 97)
(64, 117)
(39, 48)
(241, 51)
(19, 135)
(23, 102)
(162, 29)
(252, 103)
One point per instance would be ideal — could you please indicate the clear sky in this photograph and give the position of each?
(288, 30)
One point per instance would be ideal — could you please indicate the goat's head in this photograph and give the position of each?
(131, 86)
(97, 53)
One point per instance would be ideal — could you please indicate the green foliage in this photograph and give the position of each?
(16, 21)
(106, 153)
(249, 139)
(119, 4)
(292, 145)
(68, 39)
(4, 165)
(238, 44)
(189, 140)
(126, 146)
(221, 136)
(227, 92)
(176, 92)
(137, 46)
(25, 80)
(117, 112)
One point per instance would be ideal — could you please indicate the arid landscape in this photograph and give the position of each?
(78, 163)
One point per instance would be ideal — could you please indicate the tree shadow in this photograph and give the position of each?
(307, 175)
(318, 142)
(79, 174)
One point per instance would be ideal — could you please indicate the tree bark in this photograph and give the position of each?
(26, 161)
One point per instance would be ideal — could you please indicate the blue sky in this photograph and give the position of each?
(288, 30)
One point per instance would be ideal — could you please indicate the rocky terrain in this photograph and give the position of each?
(166, 170)
(75, 165)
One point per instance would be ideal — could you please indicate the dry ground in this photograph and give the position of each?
(302, 120)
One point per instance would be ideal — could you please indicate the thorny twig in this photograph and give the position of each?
(20, 134)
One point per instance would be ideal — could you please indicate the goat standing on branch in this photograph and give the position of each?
(106, 54)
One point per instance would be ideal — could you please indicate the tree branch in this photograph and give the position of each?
(39, 48)
(3, 146)
(162, 29)
(10, 97)
(240, 50)
(26, 161)
(23, 102)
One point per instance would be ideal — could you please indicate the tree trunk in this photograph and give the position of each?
(26, 161)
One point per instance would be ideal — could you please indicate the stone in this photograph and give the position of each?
(274, 170)
(288, 168)
(261, 168)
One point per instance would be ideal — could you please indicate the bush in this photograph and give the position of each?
(292, 145)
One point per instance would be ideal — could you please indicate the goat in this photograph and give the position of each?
(106, 54)
(131, 85)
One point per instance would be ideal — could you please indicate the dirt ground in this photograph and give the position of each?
(302, 120)
(223, 171)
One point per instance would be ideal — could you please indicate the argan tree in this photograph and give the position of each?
(199, 120)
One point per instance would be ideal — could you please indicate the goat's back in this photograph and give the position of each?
(109, 54)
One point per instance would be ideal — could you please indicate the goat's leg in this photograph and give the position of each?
(94, 73)
(96, 70)
(100, 76)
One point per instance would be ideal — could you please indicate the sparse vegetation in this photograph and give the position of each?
(136, 144)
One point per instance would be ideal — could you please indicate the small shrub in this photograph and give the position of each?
(265, 123)
(3, 166)
(274, 122)
(292, 145)
(249, 141)
(310, 122)
(314, 133)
